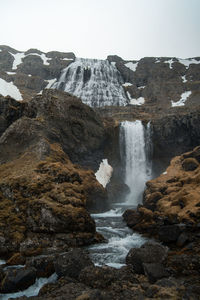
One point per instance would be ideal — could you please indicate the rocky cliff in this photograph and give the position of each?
(44, 194)
(150, 82)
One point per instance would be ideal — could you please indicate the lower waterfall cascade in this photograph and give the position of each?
(136, 147)
(97, 82)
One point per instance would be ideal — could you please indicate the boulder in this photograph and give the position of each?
(154, 271)
(17, 280)
(102, 277)
(44, 265)
(169, 233)
(148, 253)
(190, 164)
(71, 263)
(131, 217)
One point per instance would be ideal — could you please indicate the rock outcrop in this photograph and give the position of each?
(43, 194)
(33, 70)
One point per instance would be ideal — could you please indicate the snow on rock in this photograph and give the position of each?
(181, 102)
(9, 89)
(50, 83)
(113, 63)
(68, 58)
(104, 173)
(141, 87)
(157, 60)
(188, 62)
(170, 62)
(184, 78)
(138, 101)
(11, 73)
(132, 66)
(17, 59)
(127, 84)
(19, 56)
(43, 57)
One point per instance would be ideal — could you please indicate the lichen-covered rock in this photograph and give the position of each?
(71, 263)
(147, 253)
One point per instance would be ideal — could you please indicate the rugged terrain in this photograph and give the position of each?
(152, 82)
(51, 144)
(46, 177)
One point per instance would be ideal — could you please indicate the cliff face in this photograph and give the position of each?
(31, 71)
(43, 194)
(150, 82)
(159, 81)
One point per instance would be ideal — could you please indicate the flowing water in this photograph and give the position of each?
(97, 82)
(135, 145)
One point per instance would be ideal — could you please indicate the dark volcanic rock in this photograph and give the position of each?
(155, 271)
(131, 217)
(148, 253)
(10, 111)
(17, 279)
(71, 263)
(65, 119)
(102, 277)
(169, 233)
(44, 265)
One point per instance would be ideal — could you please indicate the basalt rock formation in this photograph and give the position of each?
(43, 193)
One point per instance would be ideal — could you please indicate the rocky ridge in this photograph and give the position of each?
(150, 82)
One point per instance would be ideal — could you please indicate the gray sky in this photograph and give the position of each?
(131, 29)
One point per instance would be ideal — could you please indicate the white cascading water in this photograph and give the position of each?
(135, 152)
(97, 82)
(135, 144)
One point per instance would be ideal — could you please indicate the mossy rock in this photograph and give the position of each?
(190, 164)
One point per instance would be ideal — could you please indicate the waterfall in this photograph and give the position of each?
(136, 148)
(96, 82)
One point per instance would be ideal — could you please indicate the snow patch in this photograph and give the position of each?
(50, 83)
(127, 84)
(132, 66)
(184, 78)
(19, 56)
(9, 89)
(68, 58)
(43, 57)
(29, 75)
(157, 60)
(104, 173)
(188, 62)
(113, 63)
(170, 62)
(11, 73)
(138, 101)
(17, 59)
(165, 173)
(181, 102)
(141, 87)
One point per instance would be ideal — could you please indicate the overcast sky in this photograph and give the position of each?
(96, 28)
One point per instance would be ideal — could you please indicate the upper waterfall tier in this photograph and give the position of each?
(96, 82)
